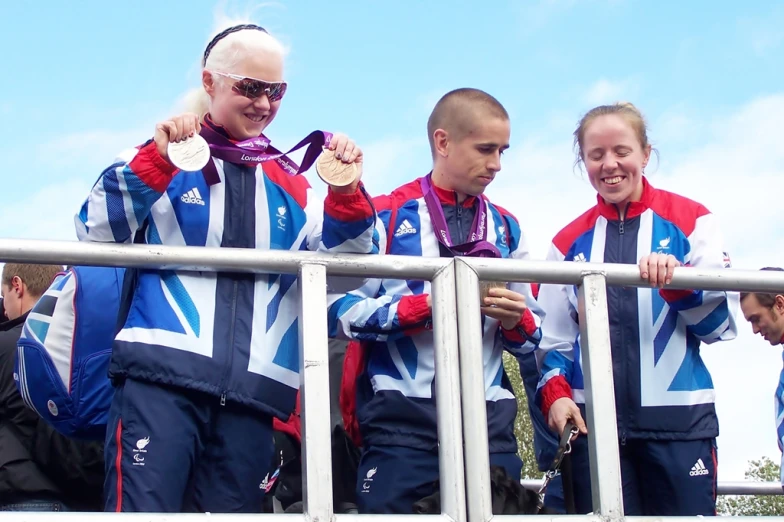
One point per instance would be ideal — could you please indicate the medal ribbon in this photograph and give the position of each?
(258, 150)
(477, 244)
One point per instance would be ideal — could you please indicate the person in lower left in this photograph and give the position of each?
(40, 469)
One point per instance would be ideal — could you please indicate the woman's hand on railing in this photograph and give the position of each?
(658, 268)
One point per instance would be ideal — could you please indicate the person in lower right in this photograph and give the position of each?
(664, 396)
(765, 312)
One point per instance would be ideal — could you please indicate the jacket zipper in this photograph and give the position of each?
(622, 350)
(459, 207)
(231, 341)
(235, 292)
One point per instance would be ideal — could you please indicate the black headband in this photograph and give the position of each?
(221, 35)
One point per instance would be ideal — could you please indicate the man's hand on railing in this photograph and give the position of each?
(562, 411)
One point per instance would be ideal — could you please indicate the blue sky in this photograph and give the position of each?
(83, 81)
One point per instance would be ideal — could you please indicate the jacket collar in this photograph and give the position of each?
(449, 197)
(218, 128)
(12, 323)
(633, 209)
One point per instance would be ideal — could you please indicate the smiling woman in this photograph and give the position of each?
(212, 358)
(613, 145)
(240, 65)
(667, 421)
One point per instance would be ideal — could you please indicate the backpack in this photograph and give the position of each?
(64, 351)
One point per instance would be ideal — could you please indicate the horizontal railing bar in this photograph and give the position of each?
(742, 487)
(551, 518)
(65, 516)
(21, 516)
(345, 517)
(75, 516)
(747, 487)
(393, 267)
(549, 272)
(211, 259)
(595, 518)
(721, 518)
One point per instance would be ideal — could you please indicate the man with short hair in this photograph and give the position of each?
(40, 470)
(23, 285)
(765, 312)
(443, 214)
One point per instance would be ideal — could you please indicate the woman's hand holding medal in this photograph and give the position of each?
(340, 165)
(178, 142)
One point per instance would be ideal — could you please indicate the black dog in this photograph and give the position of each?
(508, 496)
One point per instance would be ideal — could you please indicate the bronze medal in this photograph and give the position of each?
(335, 172)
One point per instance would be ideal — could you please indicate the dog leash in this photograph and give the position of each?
(564, 449)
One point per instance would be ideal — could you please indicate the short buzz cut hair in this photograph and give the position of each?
(457, 110)
(765, 299)
(36, 277)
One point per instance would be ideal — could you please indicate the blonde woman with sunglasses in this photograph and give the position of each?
(204, 361)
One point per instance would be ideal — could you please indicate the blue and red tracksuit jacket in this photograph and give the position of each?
(390, 317)
(663, 389)
(231, 335)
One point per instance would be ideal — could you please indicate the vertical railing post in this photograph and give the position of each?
(472, 380)
(314, 368)
(600, 397)
(447, 377)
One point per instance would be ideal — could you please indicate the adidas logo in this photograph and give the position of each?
(579, 258)
(405, 228)
(699, 469)
(192, 196)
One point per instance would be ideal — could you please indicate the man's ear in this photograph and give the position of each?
(18, 286)
(441, 142)
(779, 304)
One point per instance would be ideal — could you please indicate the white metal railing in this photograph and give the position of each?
(740, 487)
(592, 279)
(459, 386)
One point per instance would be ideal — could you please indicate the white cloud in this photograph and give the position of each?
(763, 34)
(45, 214)
(676, 128)
(393, 161)
(535, 15)
(97, 147)
(606, 91)
(765, 40)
